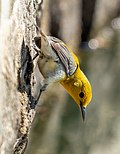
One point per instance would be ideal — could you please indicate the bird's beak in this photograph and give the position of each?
(83, 111)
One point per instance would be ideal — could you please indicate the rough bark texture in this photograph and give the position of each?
(16, 76)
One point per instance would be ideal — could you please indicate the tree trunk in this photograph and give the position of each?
(17, 73)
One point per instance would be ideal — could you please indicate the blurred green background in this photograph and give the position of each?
(92, 30)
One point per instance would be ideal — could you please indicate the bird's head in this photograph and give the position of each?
(80, 89)
(84, 95)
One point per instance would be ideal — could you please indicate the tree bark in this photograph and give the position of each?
(16, 75)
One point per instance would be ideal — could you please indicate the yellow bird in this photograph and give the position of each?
(58, 63)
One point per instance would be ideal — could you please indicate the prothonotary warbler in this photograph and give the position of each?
(58, 63)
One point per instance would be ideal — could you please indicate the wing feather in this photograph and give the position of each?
(65, 56)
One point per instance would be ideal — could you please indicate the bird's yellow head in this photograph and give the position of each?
(79, 88)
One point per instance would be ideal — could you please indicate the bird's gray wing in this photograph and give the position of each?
(65, 56)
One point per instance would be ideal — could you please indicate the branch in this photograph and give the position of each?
(17, 74)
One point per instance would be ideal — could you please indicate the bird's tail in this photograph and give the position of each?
(40, 31)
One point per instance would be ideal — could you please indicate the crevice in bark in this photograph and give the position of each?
(28, 102)
(24, 87)
(24, 72)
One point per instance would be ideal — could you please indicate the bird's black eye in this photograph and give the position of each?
(81, 94)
